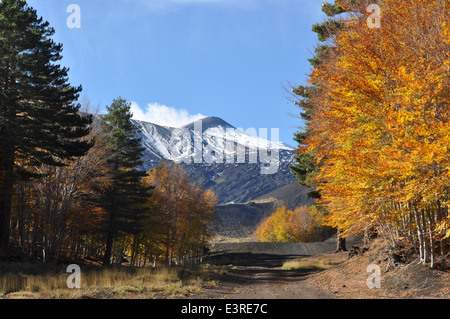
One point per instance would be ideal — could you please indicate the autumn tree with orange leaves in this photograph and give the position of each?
(380, 130)
(181, 213)
(56, 214)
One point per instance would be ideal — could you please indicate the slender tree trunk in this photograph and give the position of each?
(6, 191)
(442, 253)
(431, 224)
(432, 254)
(134, 253)
(422, 235)
(21, 213)
(167, 255)
(112, 220)
(426, 243)
(419, 234)
(108, 249)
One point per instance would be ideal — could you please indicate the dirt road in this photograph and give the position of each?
(257, 272)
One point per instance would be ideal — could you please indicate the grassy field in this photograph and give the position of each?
(35, 281)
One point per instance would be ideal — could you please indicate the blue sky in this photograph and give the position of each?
(178, 60)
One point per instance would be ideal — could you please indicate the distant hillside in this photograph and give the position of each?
(292, 195)
(238, 222)
(240, 183)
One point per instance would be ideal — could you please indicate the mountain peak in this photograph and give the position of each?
(209, 122)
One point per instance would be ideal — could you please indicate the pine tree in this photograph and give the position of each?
(39, 121)
(306, 168)
(125, 197)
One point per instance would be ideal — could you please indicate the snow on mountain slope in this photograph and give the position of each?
(208, 136)
(238, 165)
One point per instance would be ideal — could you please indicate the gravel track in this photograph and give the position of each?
(282, 249)
(258, 272)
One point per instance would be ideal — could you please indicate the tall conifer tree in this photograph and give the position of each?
(39, 121)
(305, 169)
(125, 198)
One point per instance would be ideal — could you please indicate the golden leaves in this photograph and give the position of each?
(286, 225)
(382, 129)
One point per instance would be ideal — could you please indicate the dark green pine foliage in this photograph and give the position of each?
(124, 198)
(305, 168)
(39, 119)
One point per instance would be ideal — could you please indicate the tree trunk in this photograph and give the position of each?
(442, 253)
(370, 234)
(427, 248)
(6, 191)
(21, 213)
(108, 249)
(112, 220)
(340, 242)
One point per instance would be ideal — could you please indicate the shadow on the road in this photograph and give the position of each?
(250, 259)
(257, 268)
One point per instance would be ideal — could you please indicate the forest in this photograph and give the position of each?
(101, 207)
(376, 147)
(71, 182)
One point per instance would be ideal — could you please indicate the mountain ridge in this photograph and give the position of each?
(237, 165)
(210, 121)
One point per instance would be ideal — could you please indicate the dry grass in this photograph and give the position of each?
(309, 264)
(111, 283)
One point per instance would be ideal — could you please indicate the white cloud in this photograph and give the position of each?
(163, 115)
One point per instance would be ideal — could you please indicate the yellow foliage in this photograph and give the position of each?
(381, 127)
(284, 225)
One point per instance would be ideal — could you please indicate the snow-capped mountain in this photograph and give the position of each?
(210, 140)
(238, 165)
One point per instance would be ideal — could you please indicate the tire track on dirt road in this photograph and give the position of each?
(258, 274)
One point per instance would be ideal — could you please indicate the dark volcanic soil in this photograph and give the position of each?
(257, 273)
(260, 276)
